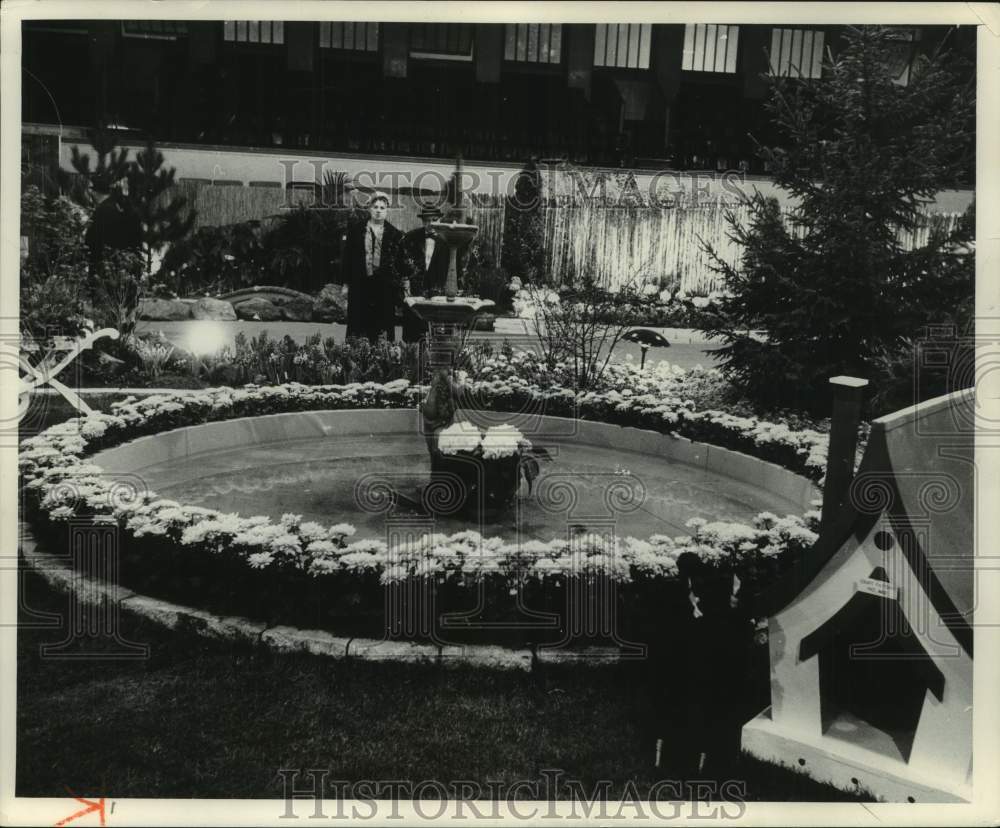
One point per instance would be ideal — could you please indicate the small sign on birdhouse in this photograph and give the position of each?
(880, 589)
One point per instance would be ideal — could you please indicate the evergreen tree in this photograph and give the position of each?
(830, 288)
(523, 232)
(111, 167)
(164, 218)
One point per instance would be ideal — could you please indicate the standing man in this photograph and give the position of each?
(371, 256)
(424, 259)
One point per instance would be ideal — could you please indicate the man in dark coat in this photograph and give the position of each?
(371, 262)
(425, 268)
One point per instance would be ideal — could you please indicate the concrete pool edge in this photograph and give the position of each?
(222, 435)
(55, 570)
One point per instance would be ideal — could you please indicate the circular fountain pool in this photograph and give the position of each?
(331, 466)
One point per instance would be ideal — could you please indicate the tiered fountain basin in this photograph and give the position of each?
(331, 466)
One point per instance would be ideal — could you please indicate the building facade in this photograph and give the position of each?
(621, 95)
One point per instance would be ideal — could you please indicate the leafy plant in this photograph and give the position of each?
(117, 286)
(302, 244)
(583, 325)
(154, 355)
(215, 260)
(488, 281)
(523, 236)
(53, 297)
(316, 361)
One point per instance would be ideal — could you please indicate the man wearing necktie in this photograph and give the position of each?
(425, 263)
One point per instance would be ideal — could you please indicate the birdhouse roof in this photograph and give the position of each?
(918, 473)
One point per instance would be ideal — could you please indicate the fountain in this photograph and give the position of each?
(478, 486)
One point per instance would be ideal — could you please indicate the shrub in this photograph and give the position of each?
(583, 326)
(488, 281)
(524, 227)
(302, 247)
(154, 354)
(117, 285)
(54, 274)
(214, 260)
(299, 249)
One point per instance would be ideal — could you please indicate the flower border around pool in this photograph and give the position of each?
(62, 486)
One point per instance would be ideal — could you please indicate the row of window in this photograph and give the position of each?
(708, 47)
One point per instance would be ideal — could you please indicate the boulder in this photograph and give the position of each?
(331, 304)
(163, 310)
(217, 310)
(294, 308)
(257, 309)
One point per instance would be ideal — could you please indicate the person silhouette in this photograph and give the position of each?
(425, 265)
(371, 273)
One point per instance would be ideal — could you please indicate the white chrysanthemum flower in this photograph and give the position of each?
(459, 436)
(501, 441)
(258, 560)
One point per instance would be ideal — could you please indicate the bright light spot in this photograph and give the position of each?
(206, 337)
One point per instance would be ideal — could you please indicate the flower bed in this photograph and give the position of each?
(311, 575)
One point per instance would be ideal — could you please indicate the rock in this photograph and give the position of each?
(331, 304)
(294, 309)
(163, 310)
(109, 366)
(484, 322)
(217, 310)
(257, 309)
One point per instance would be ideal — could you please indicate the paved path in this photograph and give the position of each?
(687, 348)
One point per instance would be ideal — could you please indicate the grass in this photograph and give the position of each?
(210, 719)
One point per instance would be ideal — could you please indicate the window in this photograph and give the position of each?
(357, 37)
(154, 29)
(623, 45)
(532, 43)
(796, 53)
(254, 31)
(445, 41)
(709, 47)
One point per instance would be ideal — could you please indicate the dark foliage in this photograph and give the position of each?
(831, 288)
(524, 227)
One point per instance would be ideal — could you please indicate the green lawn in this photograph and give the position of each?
(209, 719)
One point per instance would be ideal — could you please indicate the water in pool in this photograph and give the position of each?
(321, 479)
